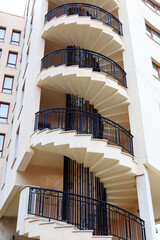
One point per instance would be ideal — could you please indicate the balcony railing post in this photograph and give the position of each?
(84, 123)
(83, 9)
(86, 213)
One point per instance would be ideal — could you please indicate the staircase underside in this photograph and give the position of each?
(70, 30)
(116, 169)
(104, 92)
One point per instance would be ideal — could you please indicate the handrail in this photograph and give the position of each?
(85, 9)
(86, 213)
(85, 123)
(84, 58)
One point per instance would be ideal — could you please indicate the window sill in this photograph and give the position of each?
(7, 93)
(9, 143)
(13, 162)
(2, 186)
(152, 39)
(151, 9)
(15, 44)
(14, 106)
(20, 112)
(11, 67)
(156, 78)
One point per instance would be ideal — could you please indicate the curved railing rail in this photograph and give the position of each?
(85, 123)
(86, 213)
(87, 59)
(85, 9)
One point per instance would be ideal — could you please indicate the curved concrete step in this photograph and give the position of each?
(104, 92)
(42, 229)
(70, 30)
(109, 162)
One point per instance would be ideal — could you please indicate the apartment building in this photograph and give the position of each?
(11, 35)
(83, 151)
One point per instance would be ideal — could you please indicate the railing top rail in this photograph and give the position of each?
(89, 198)
(90, 113)
(88, 51)
(87, 5)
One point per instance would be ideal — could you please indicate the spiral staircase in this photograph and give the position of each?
(96, 74)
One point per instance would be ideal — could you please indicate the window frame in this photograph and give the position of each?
(151, 31)
(13, 42)
(1, 150)
(4, 83)
(7, 112)
(11, 52)
(155, 6)
(2, 40)
(158, 68)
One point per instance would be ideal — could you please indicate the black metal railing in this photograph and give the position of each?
(85, 123)
(86, 59)
(85, 9)
(85, 213)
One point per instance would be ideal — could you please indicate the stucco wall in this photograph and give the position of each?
(8, 229)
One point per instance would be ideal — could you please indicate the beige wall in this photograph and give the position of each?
(8, 229)
(44, 177)
(10, 22)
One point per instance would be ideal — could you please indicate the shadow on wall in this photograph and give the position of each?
(8, 229)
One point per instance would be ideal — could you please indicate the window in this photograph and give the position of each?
(156, 70)
(0, 53)
(4, 109)
(153, 6)
(4, 172)
(2, 34)
(153, 34)
(2, 136)
(16, 145)
(15, 39)
(7, 84)
(12, 59)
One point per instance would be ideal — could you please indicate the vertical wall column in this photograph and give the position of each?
(145, 205)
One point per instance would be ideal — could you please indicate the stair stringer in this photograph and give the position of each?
(42, 229)
(96, 154)
(70, 30)
(104, 92)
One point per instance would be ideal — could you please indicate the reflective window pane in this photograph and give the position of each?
(156, 36)
(15, 38)
(148, 30)
(12, 60)
(2, 34)
(7, 85)
(158, 10)
(151, 5)
(155, 71)
(3, 112)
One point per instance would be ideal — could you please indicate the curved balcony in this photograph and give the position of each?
(68, 24)
(85, 59)
(85, 213)
(108, 5)
(84, 9)
(85, 123)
